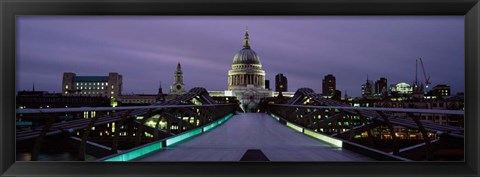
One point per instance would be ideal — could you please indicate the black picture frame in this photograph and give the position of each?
(12, 8)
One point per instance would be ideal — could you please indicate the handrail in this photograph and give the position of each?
(61, 110)
(410, 110)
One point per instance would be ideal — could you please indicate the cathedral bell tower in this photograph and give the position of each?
(178, 87)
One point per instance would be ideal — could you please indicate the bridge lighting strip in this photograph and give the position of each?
(217, 123)
(136, 153)
(328, 139)
(146, 149)
(295, 127)
(275, 117)
(316, 135)
(183, 136)
(195, 132)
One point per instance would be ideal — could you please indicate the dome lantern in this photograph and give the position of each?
(246, 56)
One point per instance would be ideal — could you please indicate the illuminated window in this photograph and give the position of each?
(77, 83)
(103, 83)
(66, 86)
(66, 92)
(102, 88)
(106, 83)
(112, 92)
(112, 86)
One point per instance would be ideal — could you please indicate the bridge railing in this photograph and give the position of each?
(182, 117)
(352, 123)
(160, 144)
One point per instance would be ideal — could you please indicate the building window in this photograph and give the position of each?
(77, 83)
(66, 86)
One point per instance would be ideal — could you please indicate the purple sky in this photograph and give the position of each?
(145, 49)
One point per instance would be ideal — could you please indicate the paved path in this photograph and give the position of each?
(230, 141)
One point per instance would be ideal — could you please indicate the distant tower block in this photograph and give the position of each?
(329, 86)
(281, 83)
(178, 88)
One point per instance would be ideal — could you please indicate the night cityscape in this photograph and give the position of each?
(297, 89)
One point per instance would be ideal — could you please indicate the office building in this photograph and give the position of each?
(381, 87)
(105, 86)
(328, 86)
(281, 83)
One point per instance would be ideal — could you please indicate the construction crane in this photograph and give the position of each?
(427, 78)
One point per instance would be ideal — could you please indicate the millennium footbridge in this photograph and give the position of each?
(195, 127)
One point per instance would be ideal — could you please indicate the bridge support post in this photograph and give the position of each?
(341, 120)
(138, 140)
(86, 132)
(351, 126)
(38, 143)
(420, 126)
(364, 121)
(396, 148)
(157, 123)
(117, 133)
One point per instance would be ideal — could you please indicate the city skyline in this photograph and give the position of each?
(304, 49)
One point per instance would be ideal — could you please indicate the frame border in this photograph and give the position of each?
(12, 8)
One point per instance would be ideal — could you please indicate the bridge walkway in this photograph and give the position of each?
(245, 131)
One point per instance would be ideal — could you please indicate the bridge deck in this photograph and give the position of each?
(230, 141)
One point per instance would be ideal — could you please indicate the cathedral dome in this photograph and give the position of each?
(246, 69)
(246, 56)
